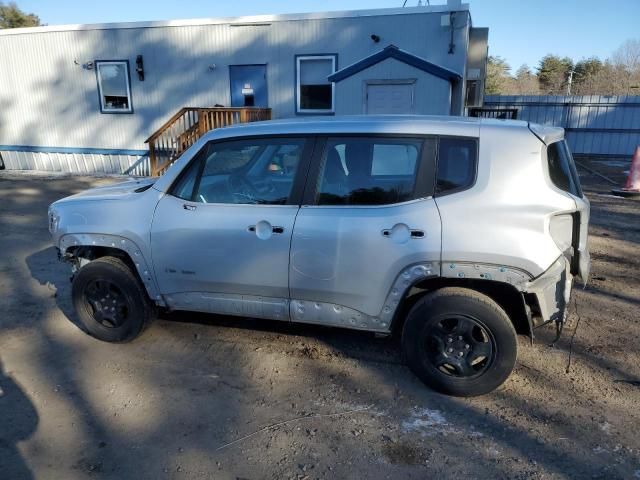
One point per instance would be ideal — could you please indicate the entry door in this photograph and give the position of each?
(390, 98)
(221, 236)
(248, 85)
(369, 218)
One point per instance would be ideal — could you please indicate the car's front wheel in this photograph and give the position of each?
(110, 301)
(459, 342)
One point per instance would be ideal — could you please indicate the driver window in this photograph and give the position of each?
(256, 171)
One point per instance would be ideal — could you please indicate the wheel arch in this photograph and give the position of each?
(89, 247)
(507, 296)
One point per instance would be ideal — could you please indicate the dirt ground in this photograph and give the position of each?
(201, 396)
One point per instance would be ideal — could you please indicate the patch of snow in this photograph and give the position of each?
(425, 419)
(428, 421)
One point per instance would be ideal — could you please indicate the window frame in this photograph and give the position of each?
(473, 182)
(573, 176)
(424, 186)
(299, 181)
(103, 109)
(313, 56)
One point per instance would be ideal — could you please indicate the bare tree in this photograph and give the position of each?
(626, 64)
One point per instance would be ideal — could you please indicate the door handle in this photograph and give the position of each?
(191, 208)
(402, 231)
(277, 230)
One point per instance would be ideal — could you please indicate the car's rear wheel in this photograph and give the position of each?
(109, 300)
(459, 342)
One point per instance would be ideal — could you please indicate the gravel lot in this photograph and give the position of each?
(200, 396)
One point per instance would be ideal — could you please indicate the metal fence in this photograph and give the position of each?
(596, 126)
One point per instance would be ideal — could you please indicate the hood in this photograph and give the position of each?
(111, 192)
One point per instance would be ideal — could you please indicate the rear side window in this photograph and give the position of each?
(457, 158)
(368, 171)
(562, 169)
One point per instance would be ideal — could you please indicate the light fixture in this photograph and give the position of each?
(140, 68)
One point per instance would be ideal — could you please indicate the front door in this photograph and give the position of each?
(248, 85)
(220, 239)
(389, 98)
(368, 229)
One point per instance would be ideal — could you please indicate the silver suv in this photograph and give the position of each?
(458, 233)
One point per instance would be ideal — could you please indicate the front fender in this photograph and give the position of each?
(142, 264)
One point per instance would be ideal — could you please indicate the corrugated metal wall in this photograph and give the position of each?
(48, 99)
(135, 165)
(595, 125)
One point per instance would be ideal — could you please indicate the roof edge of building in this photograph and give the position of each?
(253, 20)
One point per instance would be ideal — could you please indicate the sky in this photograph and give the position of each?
(521, 31)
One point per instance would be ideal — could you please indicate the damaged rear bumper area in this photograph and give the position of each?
(548, 295)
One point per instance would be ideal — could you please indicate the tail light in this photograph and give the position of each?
(565, 231)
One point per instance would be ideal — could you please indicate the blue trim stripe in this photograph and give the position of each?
(391, 51)
(96, 151)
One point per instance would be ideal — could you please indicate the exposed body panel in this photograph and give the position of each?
(324, 313)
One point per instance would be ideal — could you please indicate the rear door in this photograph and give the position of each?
(368, 216)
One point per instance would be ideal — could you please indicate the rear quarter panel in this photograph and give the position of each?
(504, 218)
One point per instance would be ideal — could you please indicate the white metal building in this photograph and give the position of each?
(85, 97)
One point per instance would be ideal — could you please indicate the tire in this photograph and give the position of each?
(110, 301)
(459, 342)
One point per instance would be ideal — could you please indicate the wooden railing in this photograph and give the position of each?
(188, 125)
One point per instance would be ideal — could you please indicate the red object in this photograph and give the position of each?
(633, 180)
(632, 187)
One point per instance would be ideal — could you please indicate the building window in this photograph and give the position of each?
(114, 86)
(315, 94)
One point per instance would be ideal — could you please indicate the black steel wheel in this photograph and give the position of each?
(459, 346)
(459, 342)
(110, 301)
(106, 303)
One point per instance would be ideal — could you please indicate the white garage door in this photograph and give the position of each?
(390, 98)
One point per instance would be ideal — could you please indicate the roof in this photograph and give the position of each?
(254, 20)
(408, 124)
(391, 51)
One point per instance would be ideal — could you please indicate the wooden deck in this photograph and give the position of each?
(188, 125)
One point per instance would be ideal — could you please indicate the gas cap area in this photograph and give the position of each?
(399, 233)
(264, 230)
